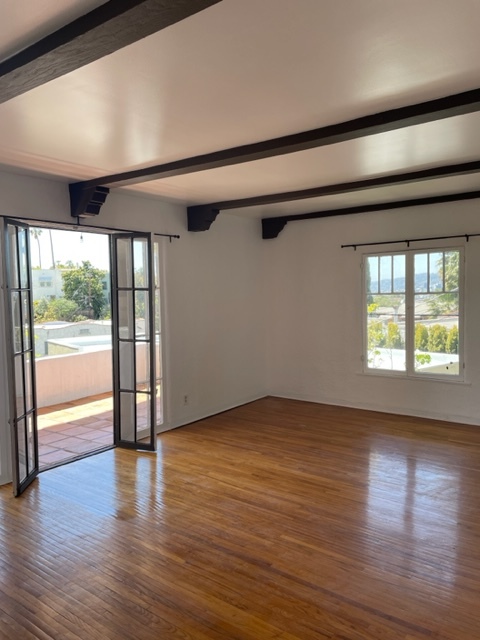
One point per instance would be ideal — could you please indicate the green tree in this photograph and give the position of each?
(452, 340)
(39, 309)
(448, 270)
(421, 337)
(437, 338)
(451, 270)
(394, 338)
(84, 286)
(59, 309)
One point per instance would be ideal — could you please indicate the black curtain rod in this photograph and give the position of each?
(170, 236)
(467, 236)
(76, 225)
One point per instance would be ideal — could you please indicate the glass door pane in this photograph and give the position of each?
(158, 334)
(133, 341)
(23, 406)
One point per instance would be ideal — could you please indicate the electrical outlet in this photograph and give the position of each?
(185, 400)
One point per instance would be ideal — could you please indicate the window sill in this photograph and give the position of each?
(403, 376)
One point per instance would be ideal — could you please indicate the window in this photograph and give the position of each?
(413, 304)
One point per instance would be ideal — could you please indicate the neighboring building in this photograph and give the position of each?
(48, 283)
(50, 332)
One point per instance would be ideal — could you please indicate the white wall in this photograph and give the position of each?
(246, 317)
(213, 304)
(315, 322)
(213, 291)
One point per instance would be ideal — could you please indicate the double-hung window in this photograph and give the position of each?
(413, 312)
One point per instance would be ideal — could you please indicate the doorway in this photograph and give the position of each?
(71, 294)
(64, 403)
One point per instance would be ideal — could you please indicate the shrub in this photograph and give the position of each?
(376, 334)
(437, 339)
(452, 340)
(423, 358)
(58, 309)
(421, 337)
(394, 337)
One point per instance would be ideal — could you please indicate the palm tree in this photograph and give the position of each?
(36, 233)
(51, 248)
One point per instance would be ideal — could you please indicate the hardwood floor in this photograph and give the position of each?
(277, 520)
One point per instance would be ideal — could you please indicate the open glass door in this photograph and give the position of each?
(133, 332)
(23, 408)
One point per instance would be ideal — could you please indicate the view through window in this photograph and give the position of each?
(413, 303)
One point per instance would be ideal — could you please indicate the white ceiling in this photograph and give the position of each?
(27, 21)
(244, 71)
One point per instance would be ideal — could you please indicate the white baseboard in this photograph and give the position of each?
(195, 417)
(433, 415)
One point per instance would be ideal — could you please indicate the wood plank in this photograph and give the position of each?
(102, 31)
(278, 520)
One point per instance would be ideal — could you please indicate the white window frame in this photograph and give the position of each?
(410, 372)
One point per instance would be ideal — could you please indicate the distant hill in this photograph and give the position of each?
(421, 280)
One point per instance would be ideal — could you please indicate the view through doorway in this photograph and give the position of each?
(70, 278)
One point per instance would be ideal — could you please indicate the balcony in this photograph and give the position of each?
(74, 428)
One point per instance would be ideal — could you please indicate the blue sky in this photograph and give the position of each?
(421, 265)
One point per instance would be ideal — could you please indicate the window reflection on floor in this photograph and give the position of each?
(416, 500)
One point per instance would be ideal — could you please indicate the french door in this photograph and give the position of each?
(21, 360)
(135, 341)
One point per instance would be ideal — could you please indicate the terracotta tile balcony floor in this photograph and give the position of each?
(71, 429)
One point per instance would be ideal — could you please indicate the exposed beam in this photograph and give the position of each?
(432, 173)
(271, 227)
(200, 218)
(86, 203)
(454, 105)
(106, 29)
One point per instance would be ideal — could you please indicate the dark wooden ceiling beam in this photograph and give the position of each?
(271, 227)
(446, 171)
(106, 29)
(454, 105)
